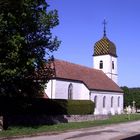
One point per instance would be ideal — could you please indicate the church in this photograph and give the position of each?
(98, 83)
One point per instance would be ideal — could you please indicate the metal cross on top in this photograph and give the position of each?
(104, 23)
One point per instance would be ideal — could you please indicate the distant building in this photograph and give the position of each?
(99, 84)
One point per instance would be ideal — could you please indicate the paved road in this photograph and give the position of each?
(127, 131)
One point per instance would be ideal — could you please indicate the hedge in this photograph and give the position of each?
(45, 106)
(80, 107)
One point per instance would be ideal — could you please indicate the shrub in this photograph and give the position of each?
(80, 107)
(62, 106)
(45, 106)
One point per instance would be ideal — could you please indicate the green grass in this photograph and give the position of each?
(20, 130)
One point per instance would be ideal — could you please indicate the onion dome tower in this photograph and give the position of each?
(105, 57)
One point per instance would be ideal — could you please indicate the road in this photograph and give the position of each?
(125, 131)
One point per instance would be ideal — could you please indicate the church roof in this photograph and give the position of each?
(92, 78)
(104, 46)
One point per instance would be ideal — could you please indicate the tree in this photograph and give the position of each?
(130, 95)
(135, 92)
(127, 96)
(26, 46)
(9, 3)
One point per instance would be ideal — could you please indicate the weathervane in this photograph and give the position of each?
(104, 23)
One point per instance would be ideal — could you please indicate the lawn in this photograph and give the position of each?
(33, 130)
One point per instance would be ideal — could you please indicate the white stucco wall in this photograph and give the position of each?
(80, 91)
(50, 89)
(107, 66)
(115, 109)
(58, 89)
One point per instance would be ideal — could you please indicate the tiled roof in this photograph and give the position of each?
(104, 46)
(92, 78)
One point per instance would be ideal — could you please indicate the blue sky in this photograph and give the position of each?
(81, 26)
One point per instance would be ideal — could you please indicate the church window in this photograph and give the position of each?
(112, 101)
(104, 100)
(70, 91)
(95, 101)
(113, 65)
(118, 101)
(101, 64)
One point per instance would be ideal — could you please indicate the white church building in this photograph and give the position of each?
(99, 84)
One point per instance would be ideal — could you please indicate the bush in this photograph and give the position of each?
(80, 107)
(45, 106)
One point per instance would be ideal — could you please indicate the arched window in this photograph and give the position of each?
(118, 101)
(104, 100)
(70, 91)
(112, 101)
(95, 101)
(101, 64)
(113, 65)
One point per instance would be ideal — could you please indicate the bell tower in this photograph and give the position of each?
(105, 57)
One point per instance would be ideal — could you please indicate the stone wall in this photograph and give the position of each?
(80, 118)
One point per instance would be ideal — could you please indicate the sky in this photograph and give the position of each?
(81, 26)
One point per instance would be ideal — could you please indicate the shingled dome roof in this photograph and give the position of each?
(104, 46)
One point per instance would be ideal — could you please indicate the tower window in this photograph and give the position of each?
(70, 91)
(113, 65)
(101, 64)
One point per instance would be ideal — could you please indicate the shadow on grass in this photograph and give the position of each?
(35, 121)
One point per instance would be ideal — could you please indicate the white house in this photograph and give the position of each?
(99, 84)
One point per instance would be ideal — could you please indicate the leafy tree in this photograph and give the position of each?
(127, 96)
(130, 95)
(135, 92)
(26, 46)
(9, 3)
